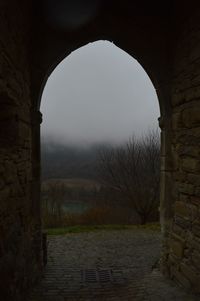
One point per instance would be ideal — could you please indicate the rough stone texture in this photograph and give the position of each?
(165, 38)
(19, 223)
(132, 255)
(183, 258)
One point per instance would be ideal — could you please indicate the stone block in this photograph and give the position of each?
(191, 116)
(2, 169)
(187, 253)
(195, 131)
(192, 93)
(178, 99)
(180, 176)
(182, 222)
(177, 247)
(190, 274)
(197, 191)
(181, 279)
(194, 52)
(195, 244)
(172, 259)
(24, 130)
(2, 183)
(188, 150)
(196, 229)
(195, 200)
(187, 210)
(5, 193)
(184, 198)
(182, 209)
(177, 229)
(9, 171)
(8, 111)
(196, 259)
(16, 190)
(190, 164)
(177, 120)
(194, 179)
(186, 188)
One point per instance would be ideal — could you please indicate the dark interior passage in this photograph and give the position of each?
(35, 37)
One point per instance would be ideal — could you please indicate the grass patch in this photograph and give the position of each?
(92, 228)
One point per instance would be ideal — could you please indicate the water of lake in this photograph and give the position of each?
(76, 207)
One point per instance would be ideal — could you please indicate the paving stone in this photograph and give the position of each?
(130, 254)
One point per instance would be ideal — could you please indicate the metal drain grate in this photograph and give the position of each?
(105, 276)
(94, 276)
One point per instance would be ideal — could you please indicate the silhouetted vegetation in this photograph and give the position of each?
(102, 185)
(132, 172)
(63, 161)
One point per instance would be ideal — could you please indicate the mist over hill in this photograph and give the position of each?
(67, 161)
(62, 160)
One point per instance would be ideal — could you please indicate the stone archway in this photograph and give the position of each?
(164, 122)
(165, 40)
(161, 81)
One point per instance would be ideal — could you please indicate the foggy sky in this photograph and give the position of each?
(97, 94)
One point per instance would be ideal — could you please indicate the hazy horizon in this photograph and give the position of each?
(98, 94)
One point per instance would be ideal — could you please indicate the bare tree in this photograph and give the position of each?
(133, 171)
(55, 197)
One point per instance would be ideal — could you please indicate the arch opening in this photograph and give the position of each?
(165, 42)
(104, 105)
(98, 96)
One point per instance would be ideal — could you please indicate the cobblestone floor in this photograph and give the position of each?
(130, 255)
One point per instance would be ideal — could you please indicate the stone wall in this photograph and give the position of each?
(169, 49)
(183, 256)
(19, 224)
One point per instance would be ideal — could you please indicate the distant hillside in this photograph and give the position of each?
(72, 183)
(60, 161)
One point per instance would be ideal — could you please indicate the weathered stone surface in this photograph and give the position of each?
(177, 247)
(188, 150)
(186, 188)
(187, 210)
(137, 288)
(195, 244)
(191, 116)
(180, 278)
(196, 228)
(190, 274)
(178, 230)
(194, 179)
(178, 99)
(30, 47)
(181, 209)
(196, 259)
(184, 198)
(195, 200)
(190, 164)
(197, 191)
(180, 176)
(177, 120)
(20, 262)
(5, 193)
